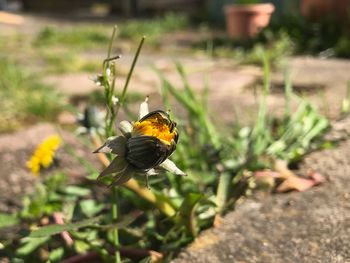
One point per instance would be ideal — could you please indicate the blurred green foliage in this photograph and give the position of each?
(76, 37)
(214, 157)
(25, 98)
(154, 29)
(328, 37)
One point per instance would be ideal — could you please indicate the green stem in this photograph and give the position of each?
(222, 192)
(122, 97)
(110, 119)
(111, 42)
(115, 230)
(109, 90)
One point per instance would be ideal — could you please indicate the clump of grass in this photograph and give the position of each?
(216, 160)
(152, 28)
(326, 38)
(63, 61)
(92, 36)
(77, 37)
(276, 45)
(25, 98)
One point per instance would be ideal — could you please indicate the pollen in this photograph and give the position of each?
(159, 129)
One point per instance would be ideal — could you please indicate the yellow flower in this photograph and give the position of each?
(43, 155)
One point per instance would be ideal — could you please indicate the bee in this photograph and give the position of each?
(153, 139)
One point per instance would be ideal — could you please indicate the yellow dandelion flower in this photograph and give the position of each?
(46, 161)
(34, 165)
(44, 154)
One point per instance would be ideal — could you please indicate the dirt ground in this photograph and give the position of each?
(17, 148)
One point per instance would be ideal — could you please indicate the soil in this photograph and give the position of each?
(17, 148)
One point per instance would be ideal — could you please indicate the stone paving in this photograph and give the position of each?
(313, 226)
(231, 88)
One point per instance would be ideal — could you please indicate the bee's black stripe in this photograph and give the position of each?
(145, 152)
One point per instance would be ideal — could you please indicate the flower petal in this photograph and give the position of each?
(123, 176)
(118, 165)
(151, 172)
(114, 145)
(126, 128)
(171, 167)
(143, 108)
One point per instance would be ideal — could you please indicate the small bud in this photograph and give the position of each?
(108, 72)
(97, 79)
(115, 100)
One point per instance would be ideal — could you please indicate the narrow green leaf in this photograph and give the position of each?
(55, 229)
(124, 221)
(31, 244)
(187, 212)
(56, 254)
(187, 87)
(223, 191)
(81, 246)
(189, 203)
(90, 207)
(76, 190)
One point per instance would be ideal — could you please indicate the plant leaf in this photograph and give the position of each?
(76, 190)
(186, 212)
(90, 207)
(56, 228)
(171, 167)
(56, 254)
(31, 244)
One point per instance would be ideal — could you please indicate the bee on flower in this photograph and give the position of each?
(143, 148)
(44, 154)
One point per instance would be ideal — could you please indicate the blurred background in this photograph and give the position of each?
(62, 42)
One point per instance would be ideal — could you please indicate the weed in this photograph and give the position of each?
(154, 29)
(78, 37)
(63, 61)
(25, 97)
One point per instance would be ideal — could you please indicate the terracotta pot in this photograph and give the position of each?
(245, 21)
(317, 9)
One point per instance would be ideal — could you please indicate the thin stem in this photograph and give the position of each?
(115, 230)
(111, 42)
(122, 97)
(111, 115)
(222, 191)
